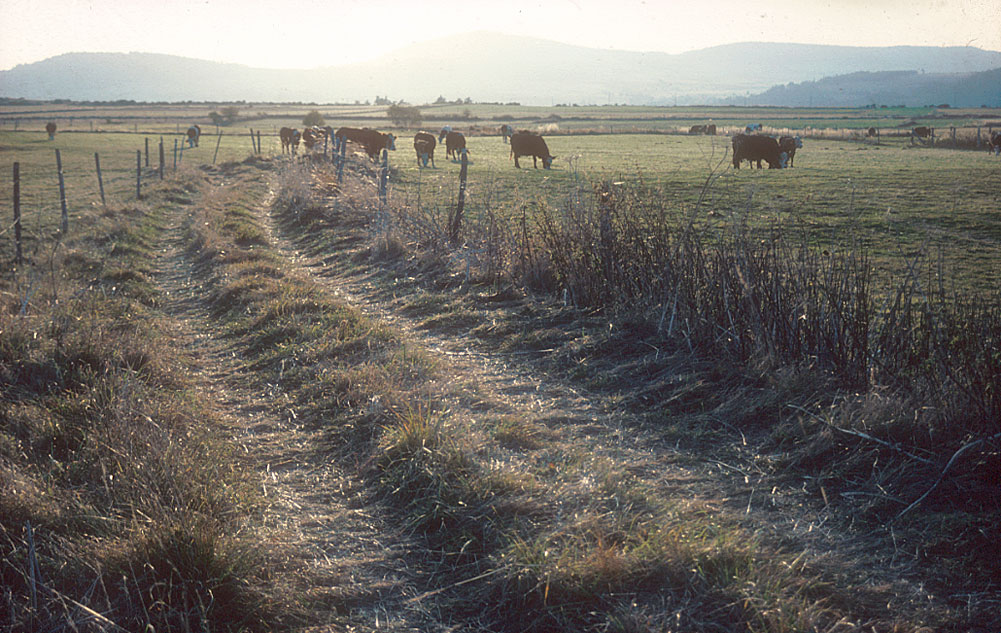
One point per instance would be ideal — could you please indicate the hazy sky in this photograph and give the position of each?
(306, 34)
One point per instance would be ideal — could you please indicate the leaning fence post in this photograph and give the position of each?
(139, 171)
(383, 176)
(100, 178)
(162, 161)
(258, 141)
(456, 224)
(217, 141)
(253, 145)
(17, 211)
(64, 226)
(147, 151)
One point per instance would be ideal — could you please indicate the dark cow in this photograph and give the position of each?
(424, 145)
(870, 132)
(995, 144)
(697, 129)
(373, 141)
(506, 131)
(528, 144)
(789, 145)
(290, 139)
(313, 135)
(757, 148)
(455, 142)
(50, 128)
(711, 129)
(194, 133)
(921, 132)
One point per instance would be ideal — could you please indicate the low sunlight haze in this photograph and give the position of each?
(298, 34)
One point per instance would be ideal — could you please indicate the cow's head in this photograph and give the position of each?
(444, 132)
(390, 142)
(547, 161)
(799, 142)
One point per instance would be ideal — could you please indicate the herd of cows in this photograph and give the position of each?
(750, 145)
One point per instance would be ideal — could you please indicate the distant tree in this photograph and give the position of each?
(382, 101)
(440, 100)
(217, 118)
(313, 117)
(230, 113)
(404, 115)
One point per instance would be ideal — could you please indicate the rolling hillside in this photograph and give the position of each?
(486, 67)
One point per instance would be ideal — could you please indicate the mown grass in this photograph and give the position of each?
(118, 492)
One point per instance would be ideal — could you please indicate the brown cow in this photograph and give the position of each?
(789, 145)
(373, 141)
(50, 128)
(290, 139)
(995, 144)
(424, 145)
(311, 136)
(528, 144)
(194, 132)
(455, 142)
(757, 148)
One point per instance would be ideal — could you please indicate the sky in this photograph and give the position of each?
(308, 34)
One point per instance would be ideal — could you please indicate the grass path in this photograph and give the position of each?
(347, 560)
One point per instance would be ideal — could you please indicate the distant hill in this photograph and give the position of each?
(486, 67)
(889, 88)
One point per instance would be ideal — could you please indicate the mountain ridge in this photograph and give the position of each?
(485, 66)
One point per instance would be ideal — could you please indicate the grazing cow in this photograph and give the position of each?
(506, 131)
(313, 135)
(757, 148)
(290, 139)
(528, 144)
(752, 127)
(50, 128)
(455, 142)
(870, 132)
(789, 145)
(194, 133)
(711, 129)
(424, 144)
(921, 132)
(444, 132)
(697, 129)
(373, 141)
(995, 144)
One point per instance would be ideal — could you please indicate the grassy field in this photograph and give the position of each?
(898, 199)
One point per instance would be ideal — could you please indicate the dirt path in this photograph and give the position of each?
(344, 557)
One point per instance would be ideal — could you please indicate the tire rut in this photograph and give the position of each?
(347, 562)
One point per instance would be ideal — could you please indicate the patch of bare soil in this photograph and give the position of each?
(336, 552)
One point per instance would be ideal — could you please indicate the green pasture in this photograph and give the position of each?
(39, 180)
(900, 201)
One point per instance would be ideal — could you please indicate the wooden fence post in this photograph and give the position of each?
(217, 141)
(100, 178)
(253, 145)
(383, 176)
(340, 161)
(64, 225)
(175, 154)
(258, 141)
(978, 137)
(139, 171)
(162, 161)
(17, 211)
(952, 130)
(147, 151)
(456, 224)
